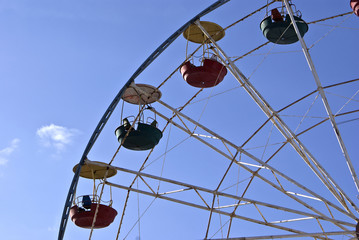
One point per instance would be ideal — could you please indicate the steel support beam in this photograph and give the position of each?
(314, 235)
(250, 156)
(217, 193)
(205, 208)
(324, 98)
(289, 135)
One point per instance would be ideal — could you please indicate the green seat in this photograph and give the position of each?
(282, 32)
(145, 137)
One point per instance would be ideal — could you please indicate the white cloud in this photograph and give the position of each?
(6, 152)
(55, 136)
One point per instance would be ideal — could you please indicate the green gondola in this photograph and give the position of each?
(282, 32)
(145, 137)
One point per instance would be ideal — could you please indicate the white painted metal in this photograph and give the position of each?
(209, 209)
(219, 193)
(233, 205)
(282, 127)
(302, 195)
(292, 220)
(292, 236)
(238, 148)
(324, 98)
(252, 157)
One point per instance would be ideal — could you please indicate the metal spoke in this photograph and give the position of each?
(324, 98)
(315, 235)
(218, 193)
(309, 159)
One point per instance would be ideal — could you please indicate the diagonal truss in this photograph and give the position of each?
(309, 159)
(244, 165)
(254, 173)
(324, 98)
(204, 206)
(319, 234)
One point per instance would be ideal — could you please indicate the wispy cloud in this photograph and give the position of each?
(6, 152)
(55, 136)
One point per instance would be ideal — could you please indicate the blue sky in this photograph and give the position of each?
(62, 62)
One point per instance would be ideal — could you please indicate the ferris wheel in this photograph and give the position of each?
(251, 134)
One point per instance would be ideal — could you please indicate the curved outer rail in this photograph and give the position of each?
(112, 106)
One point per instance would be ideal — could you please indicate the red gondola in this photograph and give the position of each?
(209, 75)
(83, 214)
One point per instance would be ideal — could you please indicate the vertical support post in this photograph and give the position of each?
(323, 96)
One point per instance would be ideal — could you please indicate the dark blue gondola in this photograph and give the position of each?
(145, 137)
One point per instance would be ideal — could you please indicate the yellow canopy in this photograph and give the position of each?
(194, 34)
(92, 171)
